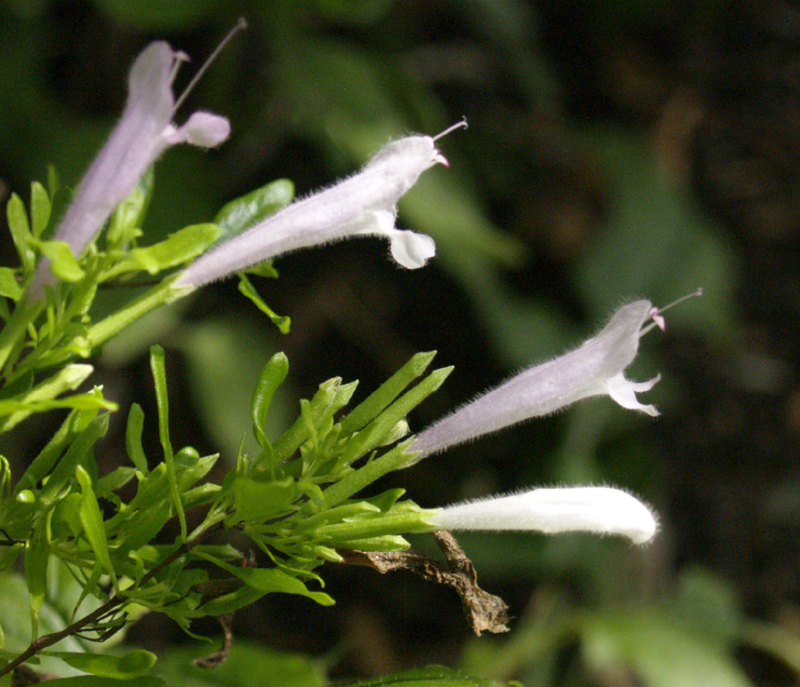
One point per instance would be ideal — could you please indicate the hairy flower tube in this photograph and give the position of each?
(596, 368)
(600, 510)
(363, 204)
(142, 134)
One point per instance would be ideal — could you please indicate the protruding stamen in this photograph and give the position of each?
(656, 312)
(240, 26)
(458, 125)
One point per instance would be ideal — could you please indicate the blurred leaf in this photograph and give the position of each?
(155, 15)
(94, 681)
(655, 242)
(430, 676)
(661, 652)
(130, 665)
(247, 664)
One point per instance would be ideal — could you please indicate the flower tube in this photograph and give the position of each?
(594, 369)
(599, 510)
(363, 204)
(142, 134)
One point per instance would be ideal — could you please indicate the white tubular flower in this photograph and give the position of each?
(596, 368)
(142, 134)
(363, 204)
(600, 510)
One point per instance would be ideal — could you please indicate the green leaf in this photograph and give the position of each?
(271, 378)
(133, 664)
(114, 480)
(20, 231)
(133, 438)
(123, 227)
(158, 368)
(379, 399)
(247, 289)
(78, 454)
(250, 209)
(93, 525)
(62, 262)
(376, 431)
(40, 208)
(9, 286)
(37, 554)
(258, 501)
(178, 248)
(270, 580)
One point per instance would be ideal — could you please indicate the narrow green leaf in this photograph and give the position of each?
(133, 438)
(271, 378)
(79, 453)
(76, 422)
(40, 208)
(9, 286)
(62, 262)
(257, 501)
(375, 432)
(299, 431)
(20, 231)
(247, 289)
(133, 664)
(158, 368)
(37, 553)
(123, 227)
(244, 212)
(378, 400)
(271, 580)
(114, 480)
(177, 249)
(66, 379)
(53, 182)
(93, 525)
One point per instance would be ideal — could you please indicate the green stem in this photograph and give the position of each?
(114, 324)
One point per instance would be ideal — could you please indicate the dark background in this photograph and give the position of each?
(615, 150)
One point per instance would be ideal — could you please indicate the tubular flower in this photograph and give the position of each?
(363, 204)
(601, 510)
(142, 134)
(594, 369)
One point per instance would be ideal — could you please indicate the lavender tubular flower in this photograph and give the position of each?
(364, 204)
(142, 134)
(600, 510)
(596, 368)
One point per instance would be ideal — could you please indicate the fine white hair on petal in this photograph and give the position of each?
(363, 204)
(600, 510)
(593, 369)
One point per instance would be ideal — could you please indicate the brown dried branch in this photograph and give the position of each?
(485, 612)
